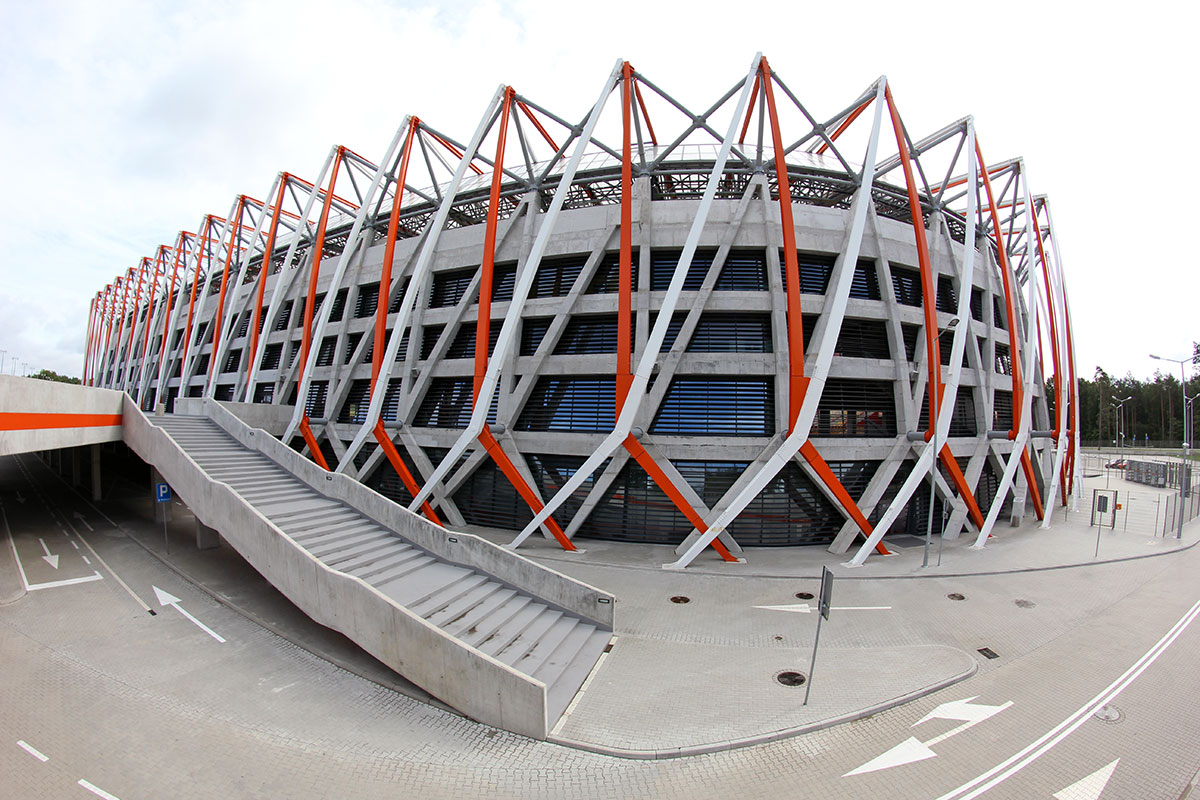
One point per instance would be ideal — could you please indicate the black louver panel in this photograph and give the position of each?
(429, 339)
(608, 274)
(368, 300)
(588, 335)
(533, 329)
(314, 406)
(325, 354)
(449, 287)
(732, 333)
(556, 276)
(579, 405)
(907, 285)
(357, 400)
(700, 406)
(662, 267)
(271, 356)
(814, 271)
(855, 408)
(285, 317)
(463, 345)
(447, 404)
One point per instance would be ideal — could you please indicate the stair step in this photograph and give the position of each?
(546, 662)
(527, 652)
(459, 589)
(347, 545)
(379, 547)
(475, 604)
(522, 628)
(562, 688)
(398, 552)
(317, 502)
(381, 577)
(334, 531)
(416, 586)
(509, 612)
(302, 520)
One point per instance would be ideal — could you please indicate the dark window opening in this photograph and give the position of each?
(855, 408)
(449, 287)
(699, 406)
(732, 333)
(580, 405)
(533, 330)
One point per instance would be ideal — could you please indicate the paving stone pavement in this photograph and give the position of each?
(150, 706)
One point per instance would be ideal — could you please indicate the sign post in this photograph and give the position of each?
(162, 494)
(824, 601)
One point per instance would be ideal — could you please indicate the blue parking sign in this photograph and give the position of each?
(162, 492)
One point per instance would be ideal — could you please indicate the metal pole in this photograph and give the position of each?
(166, 541)
(932, 475)
(813, 664)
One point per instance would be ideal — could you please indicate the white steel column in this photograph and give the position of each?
(520, 295)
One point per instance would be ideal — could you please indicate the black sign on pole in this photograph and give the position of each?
(826, 591)
(824, 601)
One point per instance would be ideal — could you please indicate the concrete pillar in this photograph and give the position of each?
(162, 511)
(206, 538)
(96, 472)
(74, 466)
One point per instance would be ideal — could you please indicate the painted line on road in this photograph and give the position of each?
(96, 790)
(86, 560)
(95, 576)
(33, 751)
(13, 544)
(1023, 758)
(74, 543)
(111, 571)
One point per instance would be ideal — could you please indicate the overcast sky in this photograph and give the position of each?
(124, 122)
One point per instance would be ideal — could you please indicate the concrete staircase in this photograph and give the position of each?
(490, 617)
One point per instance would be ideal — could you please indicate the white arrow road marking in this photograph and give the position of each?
(911, 749)
(49, 559)
(805, 608)
(1018, 761)
(1090, 787)
(82, 521)
(168, 599)
(20, 498)
(28, 748)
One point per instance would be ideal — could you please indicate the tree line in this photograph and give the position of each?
(1153, 414)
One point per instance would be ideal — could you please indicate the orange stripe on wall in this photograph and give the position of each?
(22, 421)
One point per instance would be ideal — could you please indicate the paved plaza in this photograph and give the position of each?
(1027, 668)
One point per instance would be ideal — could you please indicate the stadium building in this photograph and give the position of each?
(621, 327)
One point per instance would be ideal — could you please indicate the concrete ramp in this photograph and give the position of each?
(501, 638)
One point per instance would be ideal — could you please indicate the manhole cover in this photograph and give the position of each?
(804, 595)
(680, 599)
(790, 678)
(1108, 713)
(956, 596)
(1025, 603)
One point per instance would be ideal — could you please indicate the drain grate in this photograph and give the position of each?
(988, 652)
(790, 678)
(956, 596)
(681, 599)
(804, 595)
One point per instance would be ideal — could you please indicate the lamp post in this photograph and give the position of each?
(1119, 404)
(1183, 466)
(933, 461)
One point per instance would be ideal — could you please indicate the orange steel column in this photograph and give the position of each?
(158, 259)
(1058, 376)
(263, 270)
(87, 341)
(1014, 345)
(381, 314)
(180, 244)
(797, 380)
(313, 276)
(206, 240)
(234, 244)
(933, 352)
(625, 318)
(483, 326)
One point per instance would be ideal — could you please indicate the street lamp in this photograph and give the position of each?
(933, 461)
(1183, 467)
(1120, 406)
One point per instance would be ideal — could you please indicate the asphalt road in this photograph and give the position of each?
(101, 698)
